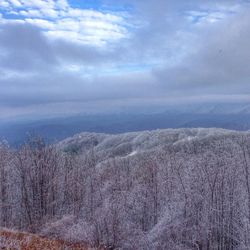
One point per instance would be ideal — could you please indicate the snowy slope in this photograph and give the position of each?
(128, 144)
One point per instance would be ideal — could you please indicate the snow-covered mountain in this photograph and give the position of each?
(173, 189)
(128, 143)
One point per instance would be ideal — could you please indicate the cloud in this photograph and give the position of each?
(144, 54)
(58, 19)
(219, 63)
(24, 48)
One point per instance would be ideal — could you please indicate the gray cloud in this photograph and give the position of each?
(24, 48)
(184, 59)
(218, 65)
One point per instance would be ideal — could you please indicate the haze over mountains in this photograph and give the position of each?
(227, 116)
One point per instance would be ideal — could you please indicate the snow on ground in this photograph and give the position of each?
(133, 153)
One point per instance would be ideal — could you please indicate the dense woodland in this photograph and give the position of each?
(166, 189)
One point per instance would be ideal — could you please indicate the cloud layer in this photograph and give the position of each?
(55, 55)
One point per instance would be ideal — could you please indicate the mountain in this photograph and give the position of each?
(129, 144)
(235, 117)
(178, 189)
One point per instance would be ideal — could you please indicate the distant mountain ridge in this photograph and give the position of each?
(224, 109)
(230, 116)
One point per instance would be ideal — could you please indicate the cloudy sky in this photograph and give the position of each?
(71, 56)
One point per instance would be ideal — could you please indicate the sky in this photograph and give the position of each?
(88, 56)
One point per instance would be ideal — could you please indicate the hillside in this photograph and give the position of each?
(164, 189)
(127, 144)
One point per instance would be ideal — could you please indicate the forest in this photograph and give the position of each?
(165, 189)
